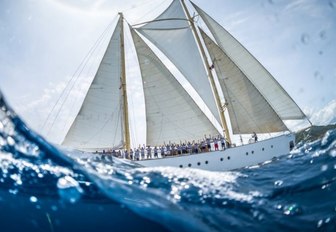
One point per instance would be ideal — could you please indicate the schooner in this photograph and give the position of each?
(241, 95)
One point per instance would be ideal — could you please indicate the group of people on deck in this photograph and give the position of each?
(207, 144)
(172, 149)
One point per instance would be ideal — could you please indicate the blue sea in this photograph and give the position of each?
(43, 189)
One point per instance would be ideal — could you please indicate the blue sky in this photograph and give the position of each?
(42, 42)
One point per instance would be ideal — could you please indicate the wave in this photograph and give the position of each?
(48, 188)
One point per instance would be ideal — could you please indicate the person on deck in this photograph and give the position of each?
(149, 152)
(155, 152)
(216, 144)
(223, 143)
(142, 153)
(208, 141)
(131, 154)
(254, 135)
(162, 151)
(203, 146)
(137, 154)
(168, 150)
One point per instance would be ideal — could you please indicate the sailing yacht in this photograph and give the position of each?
(240, 94)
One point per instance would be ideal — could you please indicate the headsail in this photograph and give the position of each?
(171, 114)
(98, 124)
(249, 111)
(171, 33)
(270, 89)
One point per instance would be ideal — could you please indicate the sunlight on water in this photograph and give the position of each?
(69, 189)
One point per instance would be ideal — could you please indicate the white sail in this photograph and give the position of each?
(171, 33)
(249, 111)
(171, 114)
(270, 89)
(98, 124)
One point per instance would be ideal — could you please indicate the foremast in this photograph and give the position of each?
(209, 71)
(127, 144)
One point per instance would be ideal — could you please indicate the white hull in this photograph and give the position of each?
(229, 159)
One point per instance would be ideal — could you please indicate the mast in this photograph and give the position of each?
(127, 144)
(211, 78)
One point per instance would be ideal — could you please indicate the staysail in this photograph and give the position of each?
(171, 33)
(249, 111)
(270, 89)
(98, 124)
(171, 114)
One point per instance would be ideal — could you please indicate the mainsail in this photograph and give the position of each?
(98, 124)
(270, 89)
(249, 111)
(171, 33)
(172, 115)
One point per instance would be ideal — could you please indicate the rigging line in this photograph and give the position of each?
(77, 74)
(160, 20)
(162, 29)
(73, 76)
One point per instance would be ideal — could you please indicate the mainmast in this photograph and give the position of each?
(127, 144)
(211, 78)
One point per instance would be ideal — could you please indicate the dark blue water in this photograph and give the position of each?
(42, 189)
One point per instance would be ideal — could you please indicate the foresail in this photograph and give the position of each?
(172, 34)
(98, 124)
(171, 114)
(249, 112)
(270, 89)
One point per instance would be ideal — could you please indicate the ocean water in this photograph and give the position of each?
(43, 189)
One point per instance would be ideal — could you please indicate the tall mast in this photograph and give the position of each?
(211, 78)
(127, 145)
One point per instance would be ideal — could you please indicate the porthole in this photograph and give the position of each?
(221, 159)
(263, 149)
(189, 165)
(181, 166)
(252, 152)
(229, 157)
(271, 146)
(246, 153)
(206, 162)
(199, 163)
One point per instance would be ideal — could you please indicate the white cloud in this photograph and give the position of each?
(52, 114)
(326, 115)
(321, 117)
